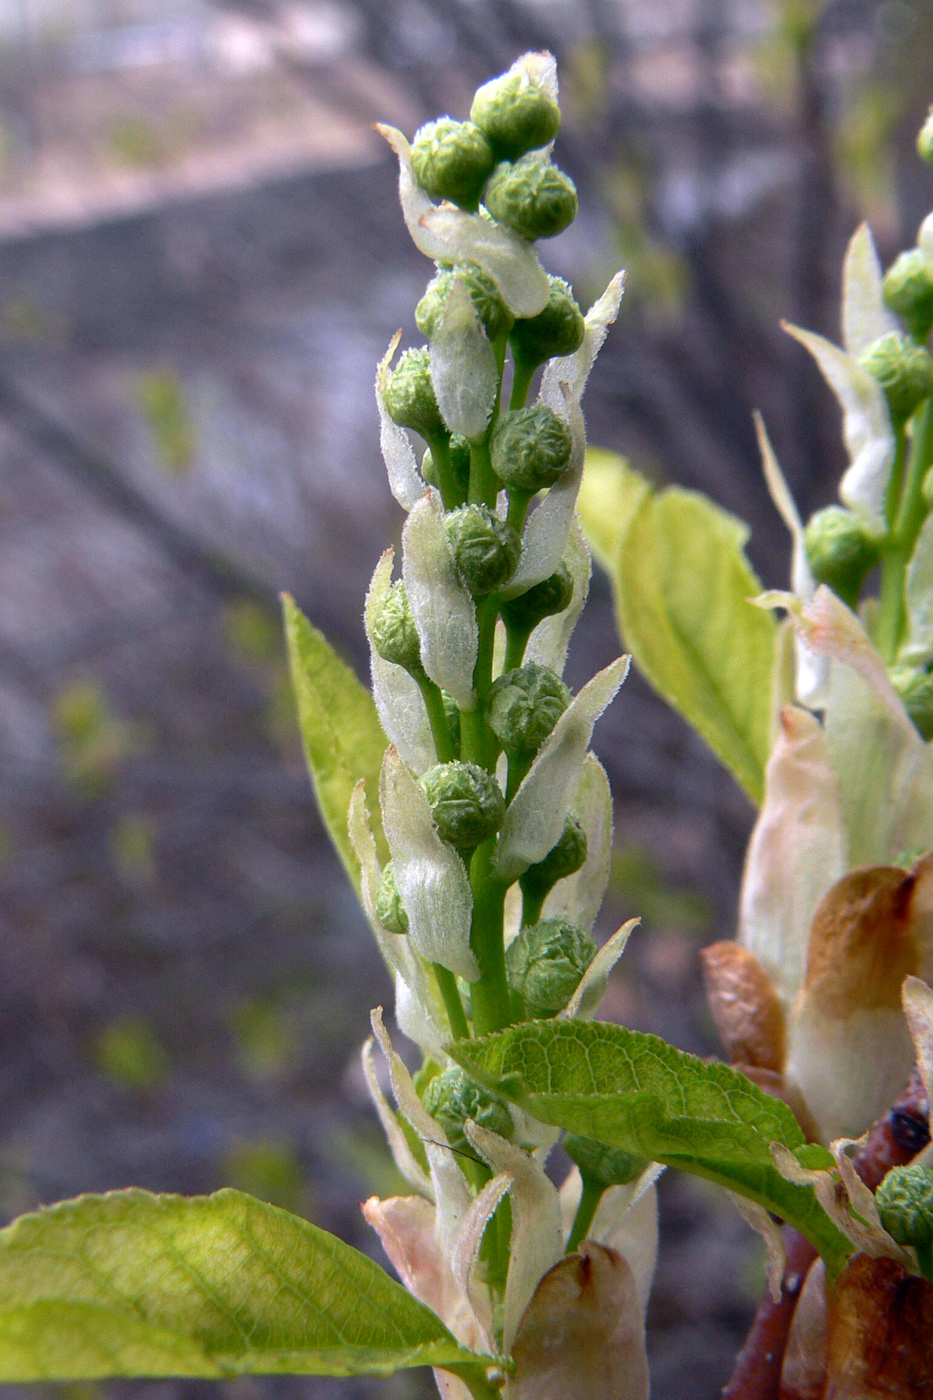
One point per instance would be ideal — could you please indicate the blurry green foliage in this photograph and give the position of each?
(657, 280)
(363, 1151)
(132, 844)
(162, 403)
(26, 322)
(92, 741)
(864, 147)
(637, 882)
(253, 632)
(136, 141)
(128, 1052)
(267, 1042)
(270, 1170)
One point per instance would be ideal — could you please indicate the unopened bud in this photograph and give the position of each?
(546, 963)
(552, 595)
(496, 317)
(459, 450)
(451, 1097)
(908, 291)
(607, 1166)
(530, 448)
(487, 549)
(556, 331)
(452, 160)
(393, 631)
(390, 911)
(409, 395)
(523, 706)
(904, 371)
(516, 114)
(925, 139)
(532, 197)
(564, 859)
(905, 1204)
(915, 687)
(841, 551)
(466, 803)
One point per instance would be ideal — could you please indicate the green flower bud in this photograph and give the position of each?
(545, 964)
(409, 395)
(915, 687)
(552, 595)
(466, 802)
(905, 1204)
(841, 551)
(557, 330)
(904, 371)
(452, 160)
(451, 1098)
(390, 911)
(487, 549)
(496, 317)
(607, 1166)
(516, 115)
(393, 631)
(908, 291)
(459, 462)
(523, 706)
(530, 447)
(533, 197)
(562, 860)
(924, 139)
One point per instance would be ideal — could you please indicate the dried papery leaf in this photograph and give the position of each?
(450, 1189)
(402, 1154)
(811, 669)
(473, 238)
(592, 985)
(465, 1258)
(763, 1224)
(744, 1005)
(917, 1000)
(463, 366)
(537, 1240)
(832, 1196)
(866, 424)
(444, 611)
(861, 1199)
(796, 852)
(626, 1220)
(431, 877)
(918, 648)
(547, 532)
(548, 643)
(536, 815)
(579, 897)
(803, 1372)
(865, 318)
(415, 203)
(582, 1336)
(405, 481)
(399, 703)
(880, 1320)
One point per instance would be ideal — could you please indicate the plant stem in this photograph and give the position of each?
(477, 742)
(475, 1379)
(532, 906)
(515, 643)
(905, 510)
(484, 484)
(590, 1197)
(925, 1259)
(440, 452)
(437, 717)
(518, 768)
(447, 984)
(521, 382)
(490, 995)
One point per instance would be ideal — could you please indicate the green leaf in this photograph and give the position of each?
(131, 1284)
(682, 587)
(343, 739)
(634, 1091)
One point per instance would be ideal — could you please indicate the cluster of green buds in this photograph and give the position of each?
(883, 379)
(497, 818)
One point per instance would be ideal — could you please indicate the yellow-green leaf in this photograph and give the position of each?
(131, 1284)
(343, 739)
(682, 587)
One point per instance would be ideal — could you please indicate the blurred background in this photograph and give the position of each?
(201, 261)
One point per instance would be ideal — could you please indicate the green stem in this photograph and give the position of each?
(516, 639)
(532, 905)
(477, 743)
(590, 1197)
(925, 1259)
(476, 1381)
(519, 501)
(905, 509)
(892, 496)
(437, 717)
(518, 767)
(447, 984)
(440, 452)
(484, 484)
(913, 508)
(521, 382)
(490, 995)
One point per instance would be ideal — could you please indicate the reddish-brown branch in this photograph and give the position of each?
(757, 1373)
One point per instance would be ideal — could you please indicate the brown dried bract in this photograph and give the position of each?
(744, 1005)
(897, 1136)
(880, 1334)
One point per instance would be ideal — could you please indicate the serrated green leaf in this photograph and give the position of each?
(343, 739)
(634, 1091)
(682, 587)
(132, 1284)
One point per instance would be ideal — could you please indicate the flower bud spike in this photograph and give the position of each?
(486, 548)
(531, 196)
(550, 637)
(452, 160)
(443, 608)
(518, 111)
(548, 529)
(546, 963)
(501, 254)
(908, 291)
(398, 698)
(463, 367)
